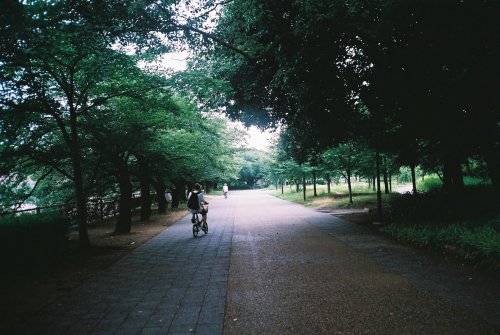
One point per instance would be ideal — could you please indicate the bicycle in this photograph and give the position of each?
(198, 224)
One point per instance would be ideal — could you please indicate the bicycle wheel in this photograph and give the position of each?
(195, 230)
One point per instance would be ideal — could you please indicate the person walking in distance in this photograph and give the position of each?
(225, 189)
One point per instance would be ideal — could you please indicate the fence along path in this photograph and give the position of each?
(97, 208)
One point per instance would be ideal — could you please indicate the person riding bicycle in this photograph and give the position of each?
(197, 204)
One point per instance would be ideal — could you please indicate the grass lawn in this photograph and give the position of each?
(363, 195)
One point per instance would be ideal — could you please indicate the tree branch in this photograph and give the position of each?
(27, 196)
(215, 6)
(102, 100)
(216, 39)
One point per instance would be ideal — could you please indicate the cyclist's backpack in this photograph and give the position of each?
(193, 202)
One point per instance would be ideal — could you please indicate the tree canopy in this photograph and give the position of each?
(78, 111)
(411, 78)
(416, 82)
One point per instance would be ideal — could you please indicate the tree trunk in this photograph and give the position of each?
(390, 182)
(72, 140)
(282, 187)
(374, 180)
(297, 185)
(81, 197)
(452, 174)
(81, 204)
(124, 222)
(314, 182)
(209, 186)
(386, 181)
(177, 193)
(145, 201)
(160, 189)
(379, 193)
(328, 183)
(145, 181)
(413, 179)
(304, 185)
(349, 186)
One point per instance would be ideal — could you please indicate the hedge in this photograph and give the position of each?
(28, 241)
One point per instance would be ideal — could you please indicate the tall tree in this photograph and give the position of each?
(345, 160)
(51, 76)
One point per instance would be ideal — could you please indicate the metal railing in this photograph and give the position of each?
(98, 209)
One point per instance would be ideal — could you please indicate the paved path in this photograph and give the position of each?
(271, 267)
(297, 271)
(173, 284)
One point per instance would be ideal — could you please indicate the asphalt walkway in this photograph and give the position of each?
(271, 267)
(295, 270)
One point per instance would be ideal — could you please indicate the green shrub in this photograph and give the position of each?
(477, 242)
(429, 183)
(362, 201)
(438, 206)
(29, 240)
(432, 182)
(474, 181)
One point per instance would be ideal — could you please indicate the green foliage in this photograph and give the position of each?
(13, 189)
(440, 207)
(475, 181)
(335, 71)
(74, 102)
(404, 174)
(363, 196)
(433, 182)
(363, 201)
(429, 183)
(291, 195)
(255, 165)
(201, 87)
(284, 170)
(241, 186)
(28, 241)
(475, 242)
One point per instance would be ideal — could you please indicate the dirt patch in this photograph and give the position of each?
(23, 296)
(364, 219)
(362, 216)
